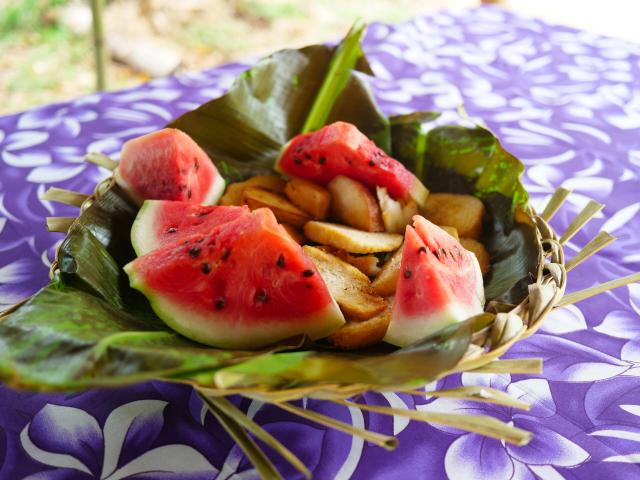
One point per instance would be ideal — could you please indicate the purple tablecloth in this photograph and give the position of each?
(566, 102)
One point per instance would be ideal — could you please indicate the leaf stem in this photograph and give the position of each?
(342, 63)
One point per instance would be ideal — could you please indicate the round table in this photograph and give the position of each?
(564, 101)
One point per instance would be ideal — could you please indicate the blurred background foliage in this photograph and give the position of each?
(46, 51)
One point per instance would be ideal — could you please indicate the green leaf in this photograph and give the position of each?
(342, 63)
(472, 161)
(244, 130)
(85, 264)
(68, 339)
(418, 363)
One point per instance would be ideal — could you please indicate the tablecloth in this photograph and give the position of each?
(566, 102)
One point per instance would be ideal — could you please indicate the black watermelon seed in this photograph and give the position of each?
(189, 193)
(220, 303)
(307, 273)
(196, 165)
(407, 274)
(225, 253)
(307, 156)
(194, 252)
(280, 261)
(322, 160)
(262, 295)
(297, 161)
(372, 163)
(172, 230)
(422, 250)
(206, 268)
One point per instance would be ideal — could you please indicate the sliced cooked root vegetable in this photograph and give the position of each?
(362, 334)
(385, 282)
(294, 233)
(479, 251)
(367, 264)
(308, 196)
(451, 231)
(283, 209)
(396, 214)
(462, 212)
(350, 239)
(233, 194)
(353, 204)
(349, 286)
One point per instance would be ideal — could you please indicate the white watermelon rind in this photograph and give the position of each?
(226, 332)
(143, 236)
(405, 331)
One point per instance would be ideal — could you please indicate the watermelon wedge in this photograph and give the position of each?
(341, 149)
(245, 284)
(161, 222)
(168, 165)
(440, 283)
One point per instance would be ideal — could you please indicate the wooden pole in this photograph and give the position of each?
(98, 44)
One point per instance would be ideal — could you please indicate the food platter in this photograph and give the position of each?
(88, 329)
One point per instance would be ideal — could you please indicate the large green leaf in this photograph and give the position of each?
(67, 339)
(418, 363)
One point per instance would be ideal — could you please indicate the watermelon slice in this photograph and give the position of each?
(161, 222)
(245, 284)
(440, 283)
(168, 165)
(341, 149)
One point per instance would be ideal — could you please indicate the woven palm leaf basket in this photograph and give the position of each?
(88, 329)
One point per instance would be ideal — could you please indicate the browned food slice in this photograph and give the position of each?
(350, 288)
(283, 209)
(350, 239)
(309, 197)
(396, 214)
(353, 204)
(480, 252)
(451, 231)
(462, 212)
(367, 264)
(233, 194)
(294, 233)
(385, 282)
(362, 334)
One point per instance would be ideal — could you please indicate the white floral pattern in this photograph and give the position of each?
(566, 102)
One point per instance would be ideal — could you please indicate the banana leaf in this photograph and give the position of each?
(89, 329)
(466, 160)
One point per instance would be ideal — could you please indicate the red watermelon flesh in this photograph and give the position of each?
(245, 284)
(440, 283)
(341, 149)
(168, 165)
(161, 222)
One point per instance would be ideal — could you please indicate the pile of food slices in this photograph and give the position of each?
(345, 245)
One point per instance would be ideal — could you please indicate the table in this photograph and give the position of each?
(566, 102)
